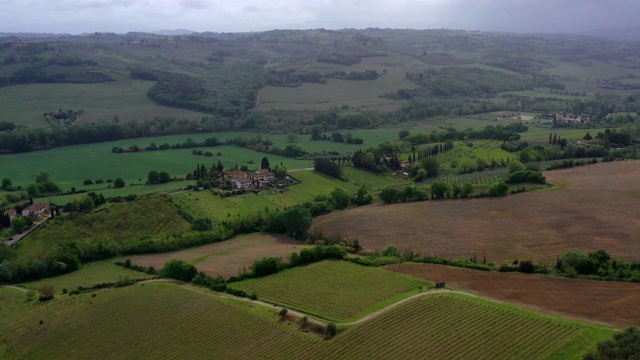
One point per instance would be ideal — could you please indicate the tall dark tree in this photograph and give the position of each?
(265, 164)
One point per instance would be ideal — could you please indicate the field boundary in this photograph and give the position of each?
(515, 307)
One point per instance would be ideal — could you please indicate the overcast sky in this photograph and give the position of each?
(78, 16)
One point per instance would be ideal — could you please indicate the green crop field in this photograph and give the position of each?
(96, 272)
(464, 157)
(370, 180)
(107, 192)
(127, 99)
(115, 226)
(70, 166)
(338, 92)
(159, 320)
(208, 204)
(333, 290)
(540, 134)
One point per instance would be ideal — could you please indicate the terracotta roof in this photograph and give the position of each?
(35, 207)
(11, 212)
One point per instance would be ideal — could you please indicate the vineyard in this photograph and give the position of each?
(157, 320)
(97, 272)
(333, 290)
(446, 326)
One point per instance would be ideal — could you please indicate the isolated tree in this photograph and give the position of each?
(340, 198)
(43, 177)
(588, 136)
(153, 177)
(264, 164)
(332, 329)
(47, 292)
(118, 183)
(403, 134)
(283, 313)
(219, 167)
(164, 177)
(297, 221)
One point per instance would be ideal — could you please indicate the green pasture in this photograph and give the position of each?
(338, 92)
(97, 272)
(126, 99)
(540, 134)
(197, 204)
(371, 180)
(107, 192)
(333, 290)
(463, 156)
(70, 166)
(588, 74)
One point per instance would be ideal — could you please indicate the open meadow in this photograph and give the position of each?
(607, 302)
(69, 166)
(126, 99)
(593, 208)
(338, 92)
(227, 258)
(332, 290)
(159, 320)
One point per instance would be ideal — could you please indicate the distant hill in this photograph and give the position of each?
(626, 34)
(173, 32)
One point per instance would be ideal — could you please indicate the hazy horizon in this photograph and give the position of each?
(121, 16)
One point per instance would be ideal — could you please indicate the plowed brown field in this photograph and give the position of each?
(227, 258)
(596, 207)
(614, 303)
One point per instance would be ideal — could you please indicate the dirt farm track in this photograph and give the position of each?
(592, 207)
(613, 303)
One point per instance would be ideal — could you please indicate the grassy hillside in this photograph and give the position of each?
(208, 204)
(97, 272)
(164, 320)
(113, 228)
(126, 99)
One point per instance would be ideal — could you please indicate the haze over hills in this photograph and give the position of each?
(522, 16)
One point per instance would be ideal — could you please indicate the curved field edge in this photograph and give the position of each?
(333, 290)
(163, 320)
(607, 302)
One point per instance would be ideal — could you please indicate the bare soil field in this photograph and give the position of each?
(613, 303)
(594, 207)
(229, 257)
